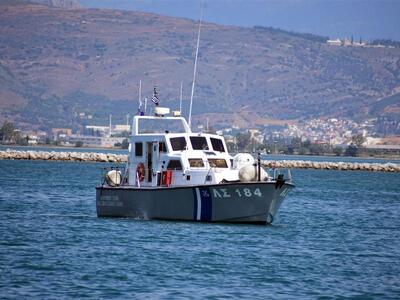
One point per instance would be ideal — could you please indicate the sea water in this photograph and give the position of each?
(337, 236)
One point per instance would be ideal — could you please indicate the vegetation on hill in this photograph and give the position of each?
(306, 36)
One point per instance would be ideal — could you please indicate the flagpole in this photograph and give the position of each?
(194, 70)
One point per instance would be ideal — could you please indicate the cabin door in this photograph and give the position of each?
(151, 159)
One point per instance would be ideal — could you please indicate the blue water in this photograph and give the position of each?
(337, 237)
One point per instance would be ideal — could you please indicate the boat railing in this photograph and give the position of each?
(281, 174)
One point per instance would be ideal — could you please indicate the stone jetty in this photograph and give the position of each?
(122, 158)
(63, 156)
(324, 165)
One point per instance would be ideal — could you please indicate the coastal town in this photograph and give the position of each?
(315, 136)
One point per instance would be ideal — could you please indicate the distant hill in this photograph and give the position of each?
(56, 63)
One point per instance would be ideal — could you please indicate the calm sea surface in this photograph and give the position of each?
(337, 236)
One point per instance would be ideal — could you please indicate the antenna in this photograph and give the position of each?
(194, 70)
(140, 91)
(180, 101)
(140, 97)
(110, 125)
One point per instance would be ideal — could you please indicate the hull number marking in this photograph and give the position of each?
(109, 200)
(243, 192)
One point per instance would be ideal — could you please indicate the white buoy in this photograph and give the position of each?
(113, 178)
(249, 173)
(242, 159)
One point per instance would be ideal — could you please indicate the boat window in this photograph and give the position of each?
(217, 145)
(162, 147)
(217, 163)
(199, 143)
(138, 149)
(178, 143)
(174, 164)
(196, 162)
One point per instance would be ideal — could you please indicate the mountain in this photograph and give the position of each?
(56, 64)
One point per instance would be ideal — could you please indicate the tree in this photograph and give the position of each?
(307, 144)
(78, 144)
(351, 150)
(337, 151)
(290, 150)
(7, 131)
(22, 140)
(243, 140)
(316, 149)
(358, 140)
(296, 142)
(125, 144)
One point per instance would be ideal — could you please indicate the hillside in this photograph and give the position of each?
(56, 63)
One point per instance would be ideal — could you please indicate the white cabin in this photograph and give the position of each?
(164, 152)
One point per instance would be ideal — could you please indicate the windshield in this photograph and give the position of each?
(178, 143)
(199, 143)
(160, 126)
(217, 145)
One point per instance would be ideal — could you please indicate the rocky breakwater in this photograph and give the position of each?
(121, 158)
(323, 165)
(63, 156)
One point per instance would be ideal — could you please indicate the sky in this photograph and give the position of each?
(368, 19)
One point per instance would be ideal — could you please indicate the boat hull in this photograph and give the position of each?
(256, 203)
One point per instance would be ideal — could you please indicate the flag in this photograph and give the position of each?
(139, 110)
(155, 96)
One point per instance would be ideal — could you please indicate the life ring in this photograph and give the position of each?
(140, 171)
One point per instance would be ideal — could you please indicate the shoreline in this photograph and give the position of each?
(122, 158)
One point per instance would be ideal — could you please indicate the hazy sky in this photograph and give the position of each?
(368, 19)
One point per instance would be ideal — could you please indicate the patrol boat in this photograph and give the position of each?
(175, 174)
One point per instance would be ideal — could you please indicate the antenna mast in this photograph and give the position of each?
(180, 101)
(140, 94)
(195, 68)
(140, 90)
(109, 128)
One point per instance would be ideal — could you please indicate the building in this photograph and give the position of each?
(121, 128)
(336, 42)
(102, 130)
(57, 131)
(95, 141)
